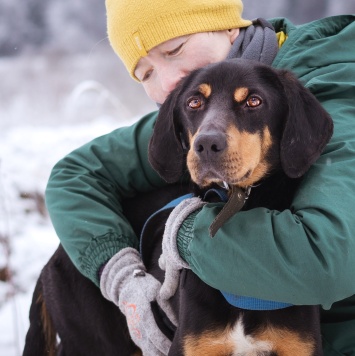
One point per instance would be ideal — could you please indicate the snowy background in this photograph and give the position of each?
(47, 109)
(61, 86)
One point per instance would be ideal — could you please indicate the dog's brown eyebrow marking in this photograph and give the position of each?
(205, 90)
(241, 94)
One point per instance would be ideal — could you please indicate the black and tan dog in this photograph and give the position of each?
(237, 124)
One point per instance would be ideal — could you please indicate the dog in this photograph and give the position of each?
(234, 124)
(68, 314)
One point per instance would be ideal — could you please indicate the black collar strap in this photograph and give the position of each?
(236, 201)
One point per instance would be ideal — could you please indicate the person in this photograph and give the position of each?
(302, 256)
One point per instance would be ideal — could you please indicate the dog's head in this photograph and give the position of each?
(237, 121)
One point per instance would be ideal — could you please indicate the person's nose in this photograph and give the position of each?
(170, 78)
(168, 83)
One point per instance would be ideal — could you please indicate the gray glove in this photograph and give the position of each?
(170, 260)
(125, 282)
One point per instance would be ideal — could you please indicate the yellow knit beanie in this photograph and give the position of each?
(136, 26)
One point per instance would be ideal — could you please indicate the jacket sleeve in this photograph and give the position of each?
(305, 255)
(85, 189)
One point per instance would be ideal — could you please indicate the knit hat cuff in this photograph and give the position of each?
(149, 32)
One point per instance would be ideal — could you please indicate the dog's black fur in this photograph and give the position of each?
(68, 305)
(285, 129)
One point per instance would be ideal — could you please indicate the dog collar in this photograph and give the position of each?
(234, 203)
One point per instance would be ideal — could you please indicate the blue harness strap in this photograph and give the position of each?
(177, 201)
(172, 204)
(249, 303)
(165, 325)
(246, 303)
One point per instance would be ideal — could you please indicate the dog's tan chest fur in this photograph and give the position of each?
(233, 341)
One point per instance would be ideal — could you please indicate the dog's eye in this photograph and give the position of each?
(253, 101)
(194, 103)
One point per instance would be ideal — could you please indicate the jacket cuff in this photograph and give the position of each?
(185, 236)
(100, 251)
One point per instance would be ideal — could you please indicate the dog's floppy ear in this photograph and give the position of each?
(307, 130)
(165, 152)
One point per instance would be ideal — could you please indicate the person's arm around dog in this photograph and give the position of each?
(296, 250)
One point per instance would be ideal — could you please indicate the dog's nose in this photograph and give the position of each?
(210, 144)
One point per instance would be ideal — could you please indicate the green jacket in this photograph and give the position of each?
(302, 257)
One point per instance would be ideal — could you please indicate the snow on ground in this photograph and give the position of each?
(27, 155)
(31, 142)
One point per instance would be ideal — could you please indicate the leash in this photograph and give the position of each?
(163, 322)
(170, 205)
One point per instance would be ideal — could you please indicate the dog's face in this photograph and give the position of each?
(236, 122)
(230, 124)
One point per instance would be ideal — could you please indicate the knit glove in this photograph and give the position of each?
(170, 260)
(125, 282)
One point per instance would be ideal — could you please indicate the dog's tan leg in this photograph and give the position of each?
(137, 353)
(48, 328)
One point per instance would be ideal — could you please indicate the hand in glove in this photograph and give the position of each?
(125, 282)
(170, 260)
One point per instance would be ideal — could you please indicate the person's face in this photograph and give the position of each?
(167, 63)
